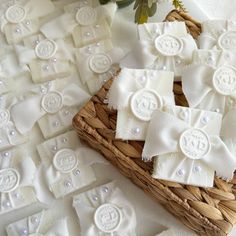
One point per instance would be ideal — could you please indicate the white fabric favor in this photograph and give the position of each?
(67, 167)
(210, 82)
(17, 171)
(162, 46)
(9, 135)
(136, 94)
(20, 19)
(47, 60)
(86, 23)
(39, 224)
(188, 146)
(105, 211)
(218, 35)
(52, 106)
(97, 63)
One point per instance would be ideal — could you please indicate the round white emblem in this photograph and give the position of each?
(194, 143)
(227, 41)
(9, 180)
(100, 63)
(4, 117)
(107, 218)
(15, 14)
(86, 16)
(46, 49)
(168, 45)
(144, 102)
(224, 80)
(65, 160)
(52, 102)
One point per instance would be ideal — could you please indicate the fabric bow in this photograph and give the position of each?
(22, 15)
(34, 225)
(15, 174)
(27, 112)
(86, 18)
(188, 148)
(165, 46)
(210, 84)
(218, 35)
(96, 63)
(135, 94)
(105, 211)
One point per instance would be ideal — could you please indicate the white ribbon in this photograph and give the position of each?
(165, 46)
(85, 17)
(32, 9)
(218, 35)
(126, 86)
(88, 205)
(35, 225)
(27, 112)
(183, 145)
(210, 82)
(24, 169)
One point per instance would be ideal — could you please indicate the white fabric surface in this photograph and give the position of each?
(150, 216)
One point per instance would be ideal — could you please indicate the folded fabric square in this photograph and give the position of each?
(189, 148)
(20, 19)
(9, 135)
(97, 63)
(210, 82)
(105, 211)
(162, 46)
(40, 224)
(47, 59)
(218, 35)
(67, 167)
(17, 171)
(136, 94)
(52, 105)
(86, 23)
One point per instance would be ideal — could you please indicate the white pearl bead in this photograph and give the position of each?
(64, 140)
(68, 184)
(105, 189)
(6, 154)
(197, 169)
(164, 68)
(56, 123)
(217, 110)
(6, 204)
(66, 113)
(54, 60)
(180, 172)
(136, 130)
(18, 30)
(87, 33)
(178, 61)
(46, 67)
(95, 198)
(205, 120)
(36, 41)
(24, 232)
(27, 23)
(17, 195)
(12, 132)
(77, 172)
(142, 79)
(97, 44)
(54, 148)
(35, 220)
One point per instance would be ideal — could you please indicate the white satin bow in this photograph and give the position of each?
(85, 17)
(27, 112)
(165, 46)
(210, 82)
(218, 35)
(105, 211)
(16, 173)
(35, 225)
(187, 148)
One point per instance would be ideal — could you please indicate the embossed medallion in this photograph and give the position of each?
(15, 14)
(100, 63)
(144, 102)
(9, 180)
(194, 143)
(224, 80)
(46, 49)
(227, 41)
(4, 117)
(107, 218)
(65, 160)
(168, 45)
(52, 102)
(86, 16)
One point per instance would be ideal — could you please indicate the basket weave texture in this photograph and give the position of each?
(207, 211)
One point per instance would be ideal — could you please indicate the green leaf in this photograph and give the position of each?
(152, 10)
(178, 4)
(136, 4)
(141, 14)
(104, 1)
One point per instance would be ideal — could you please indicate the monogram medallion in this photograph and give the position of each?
(15, 14)
(52, 102)
(227, 41)
(100, 63)
(4, 117)
(9, 180)
(46, 49)
(86, 16)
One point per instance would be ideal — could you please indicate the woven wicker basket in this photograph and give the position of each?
(207, 211)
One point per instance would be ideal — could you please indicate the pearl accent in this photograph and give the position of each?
(105, 189)
(217, 110)
(164, 68)
(136, 130)
(6, 154)
(27, 23)
(18, 30)
(97, 26)
(17, 195)
(180, 172)
(54, 60)
(197, 169)
(46, 67)
(54, 148)
(142, 79)
(210, 60)
(77, 172)
(34, 220)
(6, 204)
(87, 34)
(36, 41)
(12, 132)
(95, 198)
(66, 113)
(56, 123)
(97, 44)
(64, 140)
(68, 184)
(178, 61)
(205, 119)
(24, 232)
